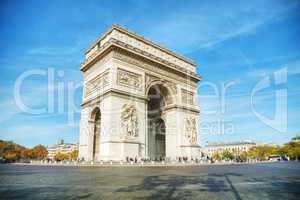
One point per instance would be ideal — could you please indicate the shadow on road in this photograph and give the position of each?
(183, 187)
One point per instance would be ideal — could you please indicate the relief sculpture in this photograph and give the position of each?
(96, 83)
(191, 130)
(129, 79)
(129, 121)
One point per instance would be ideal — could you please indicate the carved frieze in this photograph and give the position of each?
(134, 60)
(191, 130)
(155, 51)
(129, 122)
(187, 97)
(96, 83)
(129, 79)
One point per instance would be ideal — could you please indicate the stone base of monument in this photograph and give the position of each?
(190, 151)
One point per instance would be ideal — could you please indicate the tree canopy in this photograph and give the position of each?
(13, 152)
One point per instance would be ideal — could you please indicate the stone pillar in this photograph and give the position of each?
(172, 133)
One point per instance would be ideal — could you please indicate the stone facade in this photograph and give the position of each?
(61, 147)
(234, 147)
(140, 98)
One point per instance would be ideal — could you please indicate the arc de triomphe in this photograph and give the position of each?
(139, 100)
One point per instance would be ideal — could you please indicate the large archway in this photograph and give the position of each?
(158, 98)
(160, 139)
(120, 85)
(96, 119)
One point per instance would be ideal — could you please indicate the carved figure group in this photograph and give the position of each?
(191, 130)
(129, 121)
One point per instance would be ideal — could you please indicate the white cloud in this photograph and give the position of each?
(292, 67)
(206, 25)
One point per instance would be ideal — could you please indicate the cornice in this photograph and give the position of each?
(189, 108)
(140, 38)
(122, 141)
(193, 146)
(100, 53)
(114, 44)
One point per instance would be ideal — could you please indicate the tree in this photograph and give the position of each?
(293, 150)
(61, 157)
(244, 155)
(11, 157)
(74, 154)
(27, 154)
(227, 155)
(282, 151)
(216, 155)
(13, 152)
(39, 152)
(262, 152)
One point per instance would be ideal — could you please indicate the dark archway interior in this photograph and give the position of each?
(96, 117)
(156, 126)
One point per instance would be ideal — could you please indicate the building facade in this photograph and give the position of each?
(233, 147)
(139, 100)
(61, 147)
(296, 138)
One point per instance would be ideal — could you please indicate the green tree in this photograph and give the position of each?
(262, 152)
(282, 151)
(227, 155)
(216, 155)
(244, 155)
(61, 157)
(293, 150)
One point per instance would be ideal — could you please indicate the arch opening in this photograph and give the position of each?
(96, 119)
(158, 98)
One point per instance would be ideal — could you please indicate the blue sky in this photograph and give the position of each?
(235, 43)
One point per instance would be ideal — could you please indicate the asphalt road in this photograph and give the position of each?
(245, 181)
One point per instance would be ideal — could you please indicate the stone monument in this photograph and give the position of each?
(139, 100)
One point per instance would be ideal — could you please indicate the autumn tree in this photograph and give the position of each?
(74, 155)
(13, 152)
(39, 152)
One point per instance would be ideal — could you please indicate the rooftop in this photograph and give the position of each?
(140, 38)
(244, 142)
(121, 38)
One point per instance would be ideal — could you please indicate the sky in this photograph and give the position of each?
(248, 53)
